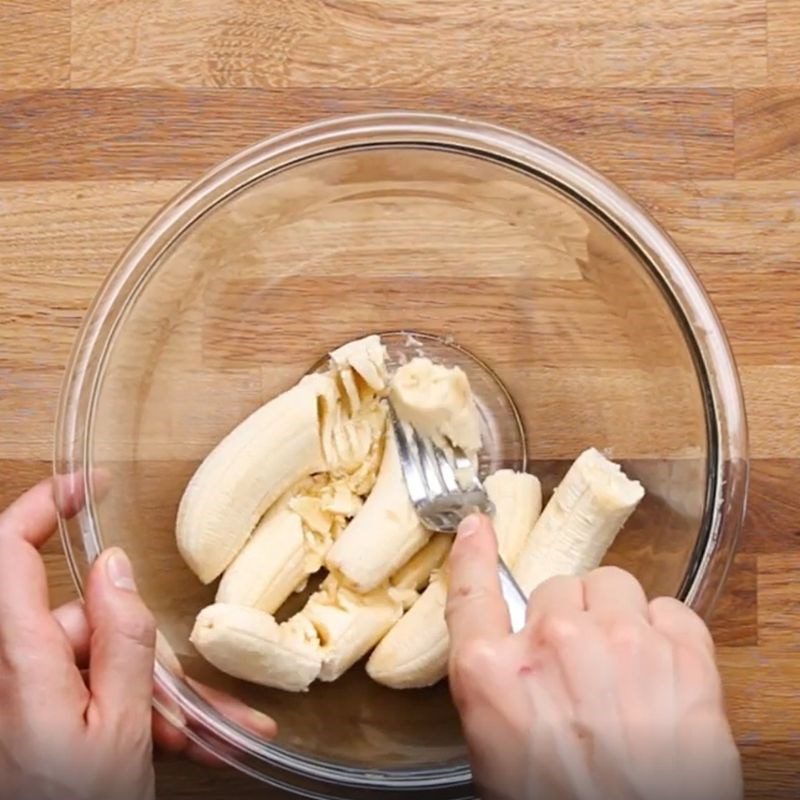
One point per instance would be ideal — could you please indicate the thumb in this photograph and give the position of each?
(123, 636)
(475, 606)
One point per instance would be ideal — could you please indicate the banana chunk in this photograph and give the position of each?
(383, 535)
(580, 521)
(437, 401)
(246, 472)
(271, 565)
(289, 544)
(350, 624)
(303, 431)
(415, 651)
(249, 644)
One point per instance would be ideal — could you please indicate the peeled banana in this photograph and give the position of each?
(313, 479)
(383, 535)
(247, 643)
(580, 521)
(336, 628)
(415, 651)
(437, 402)
(300, 432)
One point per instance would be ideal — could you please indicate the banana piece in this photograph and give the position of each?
(270, 566)
(580, 521)
(249, 644)
(437, 402)
(383, 535)
(417, 571)
(350, 624)
(367, 358)
(415, 651)
(288, 545)
(246, 472)
(296, 434)
(335, 629)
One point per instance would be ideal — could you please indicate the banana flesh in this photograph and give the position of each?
(415, 651)
(249, 644)
(305, 430)
(271, 565)
(437, 402)
(580, 521)
(336, 628)
(383, 535)
(313, 479)
(289, 544)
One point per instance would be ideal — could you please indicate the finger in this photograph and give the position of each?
(560, 593)
(611, 593)
(123, 643)
(33, 516)
(475, 607)
(27, 628)
(680, 624)
(236, 711)
(24, 527)
(71, 617)
(176, 740)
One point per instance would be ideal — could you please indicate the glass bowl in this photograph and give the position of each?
(543, 270)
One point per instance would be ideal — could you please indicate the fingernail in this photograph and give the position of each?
(261, 721)
(468, 526)
(120, 572)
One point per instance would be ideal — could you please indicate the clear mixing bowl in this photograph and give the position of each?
(567, 290)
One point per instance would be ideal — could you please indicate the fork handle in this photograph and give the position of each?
(514, 596)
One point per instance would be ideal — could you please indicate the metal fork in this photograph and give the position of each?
(441, 502)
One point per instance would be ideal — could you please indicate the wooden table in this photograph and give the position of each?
(108, 108)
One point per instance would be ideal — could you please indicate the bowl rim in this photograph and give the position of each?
(716, 372)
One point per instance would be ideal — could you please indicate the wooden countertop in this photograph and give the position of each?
(107, 108)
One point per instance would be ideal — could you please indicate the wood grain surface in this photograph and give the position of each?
(108, 108)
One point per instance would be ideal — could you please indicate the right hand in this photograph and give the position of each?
(602, 694)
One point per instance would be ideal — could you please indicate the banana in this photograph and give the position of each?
(249, 644)
(289, 544)
(270, 566)
(246, 472)
(302, 431)
(313, 478)
(578, 525)
(437, 402)
(414, 653)
(335, 629)
(383, 535)
(350, 624)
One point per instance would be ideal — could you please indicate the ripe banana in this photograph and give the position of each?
(270, 566)
(415, 651)
(313, 478)
(335, 629)
(437, 401)
(383, 535)
(300, 432)
(289, 544)
(580, 521)
(249, 644)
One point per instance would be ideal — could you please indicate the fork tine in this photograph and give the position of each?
(409, 461)
(430, 466)
(446, 469)
(464, 464)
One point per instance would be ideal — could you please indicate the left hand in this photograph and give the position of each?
(76, 683)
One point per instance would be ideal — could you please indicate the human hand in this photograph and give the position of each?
(76, 683)
(601, 695)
